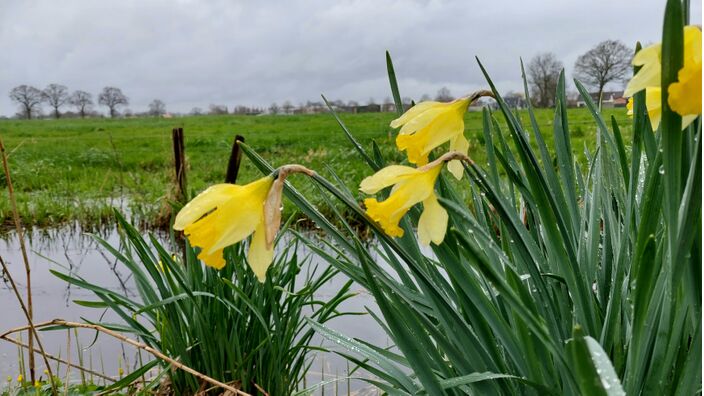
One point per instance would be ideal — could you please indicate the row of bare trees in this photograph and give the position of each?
(609, 61)
(56, 96)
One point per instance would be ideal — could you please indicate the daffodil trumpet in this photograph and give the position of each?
(428, 125)
(225, 214)
(410, 186)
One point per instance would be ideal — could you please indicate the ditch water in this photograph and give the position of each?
(71, 252)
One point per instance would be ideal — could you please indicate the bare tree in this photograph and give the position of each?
(214, 109)
(287, 107)
(425, 98)
(371, 101)
(82, 100)
(112, 98)
(29, 99)
(56, 95)
(242, 110)
(543, 74)
(157, 108)
(196, 111)
(609, 61)
(444, 95)
(274, 108)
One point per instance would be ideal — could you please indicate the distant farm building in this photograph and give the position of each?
(609, 99)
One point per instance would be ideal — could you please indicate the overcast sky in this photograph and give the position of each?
(194, 53)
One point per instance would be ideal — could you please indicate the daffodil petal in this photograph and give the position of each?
(685, 95)
(388, 220)
(206, 201)
(653, 102)
(432, 224)
(629, 106)
(443, 129)
(649, 54)
(460, 144)
(213, 259)
(239, 219)
(413, 190)
(413, 112)
(414, 146)
(423, 119)
(692, 44)
(259, 256)
(385, 177)
(647, 76)
(233, 219)
(688, 119)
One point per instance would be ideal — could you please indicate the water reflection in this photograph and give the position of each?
(80, 254)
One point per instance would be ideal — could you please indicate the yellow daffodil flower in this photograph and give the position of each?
(684, 96)
(410, 186)
(36, 384)
(428, 125)
(225, 214)
(20, 378)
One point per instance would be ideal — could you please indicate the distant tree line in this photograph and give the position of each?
(30, 99)
(609, 61)
(56, 96)
(314, 107)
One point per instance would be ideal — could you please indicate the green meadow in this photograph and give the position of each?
(73, 171)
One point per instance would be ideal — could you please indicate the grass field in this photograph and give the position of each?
(73, 171)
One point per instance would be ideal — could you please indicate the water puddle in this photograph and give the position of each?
(69, 251)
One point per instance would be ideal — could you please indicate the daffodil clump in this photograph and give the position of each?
(684, 95)
(525, 261)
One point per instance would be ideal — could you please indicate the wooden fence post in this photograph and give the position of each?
(181, 187)
(179, 164)
(233, 165)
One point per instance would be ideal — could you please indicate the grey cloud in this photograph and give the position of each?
(190, 53)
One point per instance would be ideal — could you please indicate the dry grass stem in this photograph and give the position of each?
(20, 237)
(28, 316)
(136, 344)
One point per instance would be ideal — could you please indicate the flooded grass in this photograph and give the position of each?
(72, 171)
